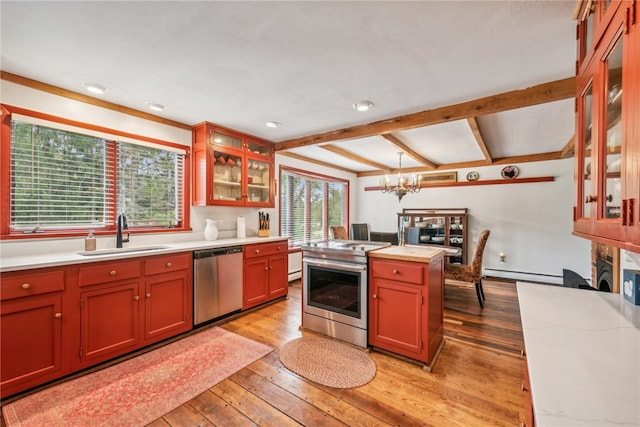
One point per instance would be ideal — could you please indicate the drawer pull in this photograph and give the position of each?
(169, 264)
(257, 251)
(112, 273)
(25, 286)
(395, 271)
(524, 388)
(57, 315)
(148, 295)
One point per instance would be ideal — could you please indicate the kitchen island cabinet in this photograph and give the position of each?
(33, 327)
(265, 273)
(406, 301)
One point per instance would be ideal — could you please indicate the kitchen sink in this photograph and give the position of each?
(122, 250)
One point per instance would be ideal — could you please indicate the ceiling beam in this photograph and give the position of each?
(412, 153)
(540, 94)
(569, 148)
(553, 155)
(475, 130)
(314, 161)
(349, 155)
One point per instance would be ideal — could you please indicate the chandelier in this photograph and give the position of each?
(403, 186)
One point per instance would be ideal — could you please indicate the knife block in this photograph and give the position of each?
(263, 233)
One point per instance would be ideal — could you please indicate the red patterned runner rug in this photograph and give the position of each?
(139, 390)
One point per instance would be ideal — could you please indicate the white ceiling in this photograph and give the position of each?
(304, 63)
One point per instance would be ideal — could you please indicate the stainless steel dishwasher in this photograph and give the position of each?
(217, 283)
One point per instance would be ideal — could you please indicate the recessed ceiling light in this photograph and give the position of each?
(155, 106)
(96, 88)
(273, 124)
(363, 105)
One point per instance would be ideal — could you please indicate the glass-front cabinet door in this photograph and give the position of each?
(227, 176)
(259, 180)
(612, 129)
(231, 169)
(608, 90)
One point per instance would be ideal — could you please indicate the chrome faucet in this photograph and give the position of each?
(122, 225)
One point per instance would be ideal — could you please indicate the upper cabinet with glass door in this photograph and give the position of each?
(607, 132)
(231, 169)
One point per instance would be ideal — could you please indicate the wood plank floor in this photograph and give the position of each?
(475, 382)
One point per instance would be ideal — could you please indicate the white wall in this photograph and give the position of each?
(530, 223)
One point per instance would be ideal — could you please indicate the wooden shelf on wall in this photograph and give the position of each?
(485, 182)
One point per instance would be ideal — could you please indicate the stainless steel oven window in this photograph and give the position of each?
(334, 290)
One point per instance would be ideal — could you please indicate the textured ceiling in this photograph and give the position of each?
(304, 64)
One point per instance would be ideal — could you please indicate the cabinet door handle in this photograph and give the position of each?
(25, 286)
(169, 264)
(625, 212)
(57, 315)
(112, 273)
(148, 295)
(375, 296)
(609, 198)
(136, 298)
(523, 387)
(266, 269)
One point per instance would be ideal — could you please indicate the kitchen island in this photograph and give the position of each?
(406, 301)
(582, 354)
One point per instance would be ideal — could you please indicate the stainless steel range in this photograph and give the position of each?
(335, 289)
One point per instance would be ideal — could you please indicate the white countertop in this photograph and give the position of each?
(65, 258)
(583, 354)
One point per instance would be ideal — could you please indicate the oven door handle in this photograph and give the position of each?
(337, 264)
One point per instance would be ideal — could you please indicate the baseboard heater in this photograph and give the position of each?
(524, 276)
(295, 275)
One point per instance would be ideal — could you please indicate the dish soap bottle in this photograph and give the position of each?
(90, 242)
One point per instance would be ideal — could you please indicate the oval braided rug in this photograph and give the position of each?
(328, 362)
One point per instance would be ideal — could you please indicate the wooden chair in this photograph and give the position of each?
(339, 232)
(470, 273)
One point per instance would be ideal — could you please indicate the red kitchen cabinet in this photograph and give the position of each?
(265, 273)
(607, 140)
(168, 296)
(278, 275)
(33, 325)
(128, 304)
(110, 321)
(55, 321)
(231, 169)
(406, 307)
